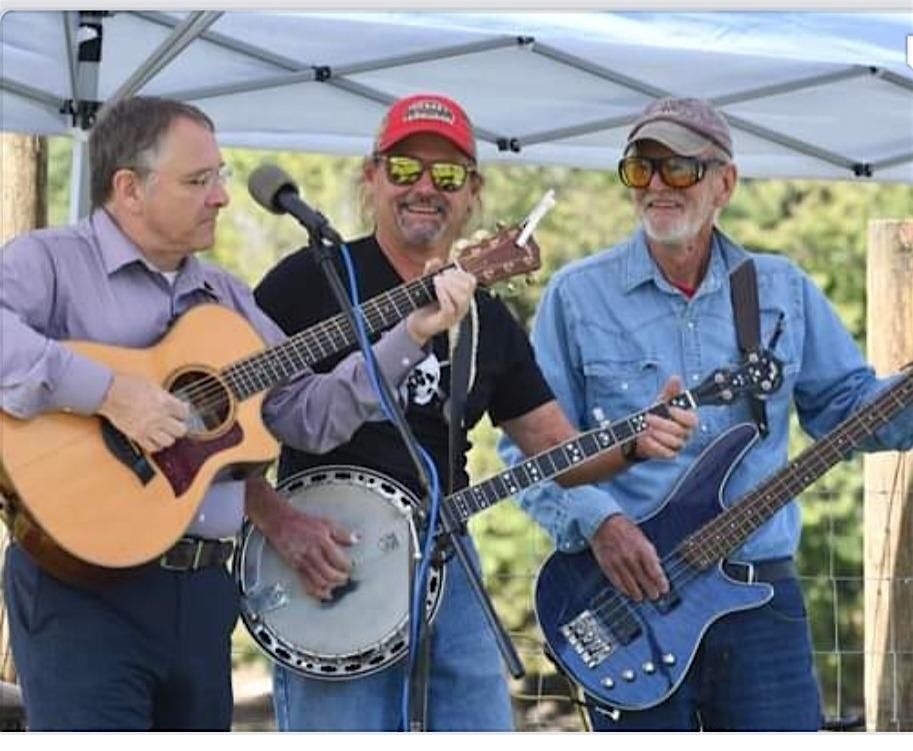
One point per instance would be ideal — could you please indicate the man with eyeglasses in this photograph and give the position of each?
(151, 649)
(421, 184)
(611, 327)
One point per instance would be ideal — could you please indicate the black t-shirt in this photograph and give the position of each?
(508, 382)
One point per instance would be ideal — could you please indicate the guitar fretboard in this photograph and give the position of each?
(729, 530)
(553, 462)
(279, 363)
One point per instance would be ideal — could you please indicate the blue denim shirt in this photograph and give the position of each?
(609, 332)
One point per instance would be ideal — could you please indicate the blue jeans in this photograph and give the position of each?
(150, 652)
(467, 690)
(753, 671)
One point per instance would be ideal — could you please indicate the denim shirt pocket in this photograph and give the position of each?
(620, 387)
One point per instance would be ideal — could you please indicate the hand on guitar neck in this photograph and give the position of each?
(144, 412)
(453, 288)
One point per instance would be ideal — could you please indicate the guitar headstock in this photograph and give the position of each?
(498, 257)
(759, 374)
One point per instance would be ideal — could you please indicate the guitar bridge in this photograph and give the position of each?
(589, 638)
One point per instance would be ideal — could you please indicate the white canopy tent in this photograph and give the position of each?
(809, 95)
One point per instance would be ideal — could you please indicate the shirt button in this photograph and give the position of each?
(695, 377)
(624, 386)
(703, 428)
(406, 361)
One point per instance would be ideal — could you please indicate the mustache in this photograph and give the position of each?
(424, 202)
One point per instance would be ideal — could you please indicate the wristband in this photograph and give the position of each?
(629, 452)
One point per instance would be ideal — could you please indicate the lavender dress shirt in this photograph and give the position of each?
(90, 282)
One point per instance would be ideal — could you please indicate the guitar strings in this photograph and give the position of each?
(684, 573)
(615, 605)
(210, 387)
(207, 394)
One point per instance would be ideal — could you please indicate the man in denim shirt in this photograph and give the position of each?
(611, 328)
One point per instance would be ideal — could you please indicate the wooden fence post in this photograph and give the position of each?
(889, 492)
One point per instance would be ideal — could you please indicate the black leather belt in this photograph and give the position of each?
(771, 570)
(192, 553)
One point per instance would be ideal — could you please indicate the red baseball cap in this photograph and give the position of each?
(426, 113)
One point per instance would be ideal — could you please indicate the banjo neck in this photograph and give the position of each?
(758, 374)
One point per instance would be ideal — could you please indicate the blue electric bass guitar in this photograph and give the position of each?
(633, 656)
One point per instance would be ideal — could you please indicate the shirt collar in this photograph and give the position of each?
(117, 251)
(640, 267)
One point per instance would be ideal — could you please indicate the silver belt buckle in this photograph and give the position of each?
(197, 554)
(164, 563)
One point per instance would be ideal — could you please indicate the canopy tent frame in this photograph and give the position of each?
(84, 36)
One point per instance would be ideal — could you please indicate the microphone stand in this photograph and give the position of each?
(324, 241)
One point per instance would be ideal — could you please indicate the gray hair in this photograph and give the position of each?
(128, 135)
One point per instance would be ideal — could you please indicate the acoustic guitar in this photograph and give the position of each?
(76, 491)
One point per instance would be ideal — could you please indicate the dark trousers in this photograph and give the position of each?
(151, 652)
(753, 671)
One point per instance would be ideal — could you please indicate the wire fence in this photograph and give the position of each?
(831, 566)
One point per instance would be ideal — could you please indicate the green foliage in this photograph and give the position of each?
(822, 226)
(250, 240)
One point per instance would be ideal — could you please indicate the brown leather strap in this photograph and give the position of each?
(743, 285)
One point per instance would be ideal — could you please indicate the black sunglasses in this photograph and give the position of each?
(408, 170)
(675, 171)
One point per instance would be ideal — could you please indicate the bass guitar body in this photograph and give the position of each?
(631, 655)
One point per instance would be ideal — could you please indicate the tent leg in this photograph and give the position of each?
(79, 176)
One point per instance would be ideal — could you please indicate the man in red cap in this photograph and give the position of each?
(422, 184)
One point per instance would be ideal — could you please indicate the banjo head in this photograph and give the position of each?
(365, 627)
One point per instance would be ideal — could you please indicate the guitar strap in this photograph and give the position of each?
(743, 284)
(463, 343)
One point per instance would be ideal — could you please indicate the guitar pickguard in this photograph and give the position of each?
(181, 461)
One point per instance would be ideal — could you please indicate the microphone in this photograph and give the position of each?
(275, 191)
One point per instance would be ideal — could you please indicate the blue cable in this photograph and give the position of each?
(417, 605)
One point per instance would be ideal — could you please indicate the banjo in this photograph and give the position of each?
(364, 628)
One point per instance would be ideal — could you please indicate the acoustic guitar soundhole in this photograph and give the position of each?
(208, 398)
